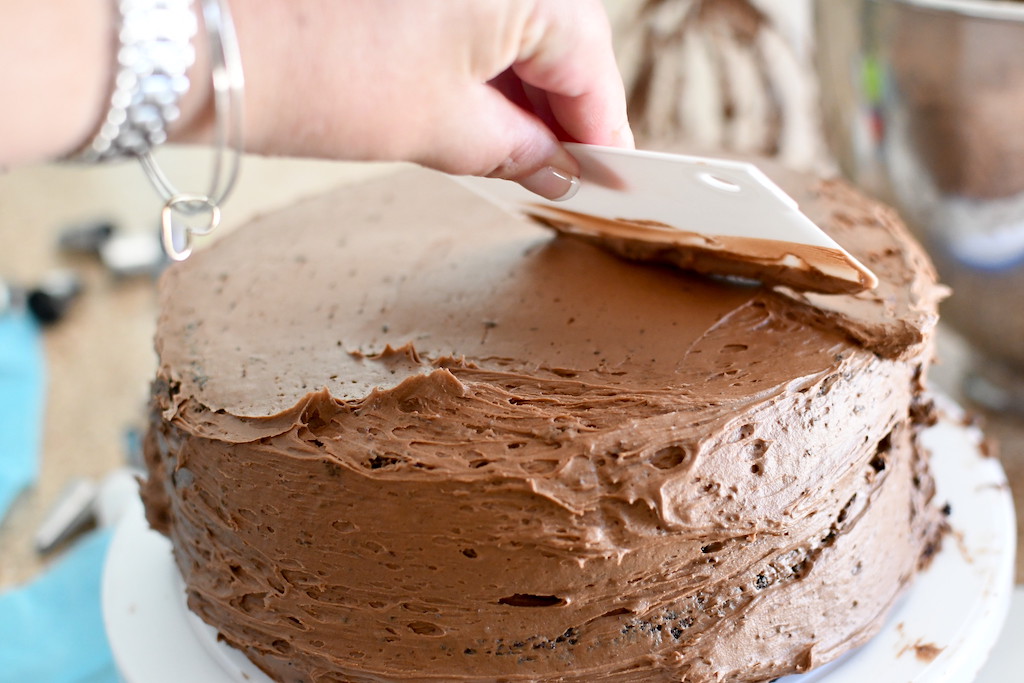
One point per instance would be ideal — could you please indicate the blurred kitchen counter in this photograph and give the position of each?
(100, 358)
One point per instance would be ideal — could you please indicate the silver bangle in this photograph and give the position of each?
(154, 55)
(153, 58)
(228, 84)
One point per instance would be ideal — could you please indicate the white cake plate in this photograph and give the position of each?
(941, 631)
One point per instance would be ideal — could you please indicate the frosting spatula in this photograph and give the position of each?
(714, 216)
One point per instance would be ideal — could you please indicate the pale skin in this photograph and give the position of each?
(478, 87)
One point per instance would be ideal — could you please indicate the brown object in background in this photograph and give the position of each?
(961, 80)
(985, 307)
(923, 106)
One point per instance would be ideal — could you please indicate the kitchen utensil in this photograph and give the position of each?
(714, 216)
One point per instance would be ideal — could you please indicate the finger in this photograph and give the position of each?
(489, 135)
(573, 62)
(533, 100)
(540, 105)
(511, 86)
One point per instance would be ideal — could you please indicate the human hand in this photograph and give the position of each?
(482, 87)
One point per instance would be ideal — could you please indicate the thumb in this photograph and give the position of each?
(491, 136)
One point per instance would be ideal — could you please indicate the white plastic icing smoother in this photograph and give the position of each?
(719, 198)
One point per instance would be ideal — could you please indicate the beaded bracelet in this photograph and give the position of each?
(154, 55)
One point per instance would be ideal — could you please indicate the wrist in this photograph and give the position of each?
(196, 121)
(266, 37)
(98, 38)
(59, 100)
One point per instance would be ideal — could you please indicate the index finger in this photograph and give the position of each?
(571, 59)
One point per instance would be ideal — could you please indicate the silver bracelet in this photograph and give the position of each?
(154, 56)
(228, 84)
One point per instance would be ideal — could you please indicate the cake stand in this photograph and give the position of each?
(941, 631)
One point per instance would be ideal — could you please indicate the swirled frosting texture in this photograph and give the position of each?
(398, 435)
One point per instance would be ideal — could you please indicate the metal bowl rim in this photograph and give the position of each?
(978, 9)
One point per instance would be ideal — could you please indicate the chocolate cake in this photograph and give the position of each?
(400, 435)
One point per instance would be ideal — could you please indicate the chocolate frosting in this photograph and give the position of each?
(400, 435)
(802, 267)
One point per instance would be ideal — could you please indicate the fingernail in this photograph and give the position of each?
(552, 183)
(624, 137)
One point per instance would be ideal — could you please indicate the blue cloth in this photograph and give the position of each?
(51, 630)
(22, 382)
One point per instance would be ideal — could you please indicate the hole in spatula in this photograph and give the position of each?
(719, 183)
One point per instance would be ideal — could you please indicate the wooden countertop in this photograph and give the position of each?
(100, 359)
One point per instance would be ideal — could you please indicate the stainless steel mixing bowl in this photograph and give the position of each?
(923, 104)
